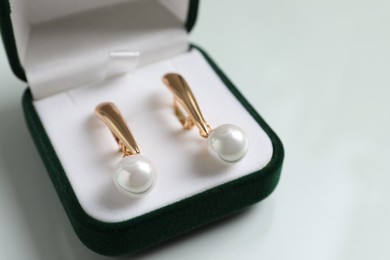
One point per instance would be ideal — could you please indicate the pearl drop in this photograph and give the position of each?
(229, 142)
(135, 175)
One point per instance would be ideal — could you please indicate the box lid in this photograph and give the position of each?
(29, 62)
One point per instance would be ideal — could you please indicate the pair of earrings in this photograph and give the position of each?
(135, 174)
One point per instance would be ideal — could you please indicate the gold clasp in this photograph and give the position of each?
(183, 95)
(111, 116)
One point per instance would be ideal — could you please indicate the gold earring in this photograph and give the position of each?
(228, 141)
(135, 175)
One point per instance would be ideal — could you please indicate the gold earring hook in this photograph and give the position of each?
(111, 116)
(184, 96)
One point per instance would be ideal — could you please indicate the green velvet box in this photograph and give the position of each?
(209, 203)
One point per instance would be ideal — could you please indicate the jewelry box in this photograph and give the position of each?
(74, 55)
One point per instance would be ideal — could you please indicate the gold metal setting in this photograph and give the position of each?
(183, 95)
(111, 116)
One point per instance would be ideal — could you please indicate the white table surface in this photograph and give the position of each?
(318, 72)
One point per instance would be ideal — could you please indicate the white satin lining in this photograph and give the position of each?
(120, 62)
(89, 46)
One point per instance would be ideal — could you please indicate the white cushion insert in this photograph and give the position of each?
(89, 154)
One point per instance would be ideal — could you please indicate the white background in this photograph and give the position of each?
(318, 72)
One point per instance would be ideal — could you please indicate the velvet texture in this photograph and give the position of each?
(131, 236)
(8, 37)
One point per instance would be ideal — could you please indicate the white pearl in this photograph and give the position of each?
(229, 142)
(135, 175)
